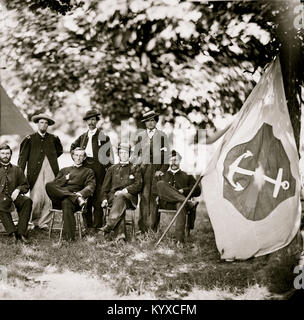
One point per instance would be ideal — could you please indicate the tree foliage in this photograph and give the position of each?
(177, 57)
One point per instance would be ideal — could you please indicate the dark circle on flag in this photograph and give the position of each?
(245, 168)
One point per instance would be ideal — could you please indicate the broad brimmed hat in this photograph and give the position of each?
(150, 115)
(124, 146)
(90, 114)
(44, 116)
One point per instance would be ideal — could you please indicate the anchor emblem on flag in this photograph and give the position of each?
(257, 175)
(234, 168)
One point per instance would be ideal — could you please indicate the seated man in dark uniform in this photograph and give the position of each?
(69, 190)
(120, 190)
(172, 189)
(13, 186)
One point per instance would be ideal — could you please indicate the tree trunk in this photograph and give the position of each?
(290, 64)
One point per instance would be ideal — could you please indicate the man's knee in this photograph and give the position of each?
(28, 201)
(160, 185)
(48, 188)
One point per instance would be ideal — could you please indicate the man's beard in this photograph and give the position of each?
(5, 160)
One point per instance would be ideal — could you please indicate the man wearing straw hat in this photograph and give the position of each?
(151, 153)
(39, 152)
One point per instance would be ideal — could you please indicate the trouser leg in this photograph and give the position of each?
(116, 219)
(98, 212)
(24, 207)
(154, 216)
(56, 192)
(94, 215)
(87, 215)
(168, 193)
(7, 221)
(69, 223)
(148, 216)
(117, 211)
(180, 224)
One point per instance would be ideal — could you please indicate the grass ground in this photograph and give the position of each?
(95, 269)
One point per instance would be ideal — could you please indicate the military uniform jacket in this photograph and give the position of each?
(16, 180)
(152, 151)
(77, 179)
(180, 180)
(101, 146)
(121, 176)
(33, 149)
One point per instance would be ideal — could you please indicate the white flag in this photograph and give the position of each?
(252, 185)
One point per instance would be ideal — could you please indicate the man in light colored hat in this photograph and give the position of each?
(151, 153)
(120, 190)
(39, 152)
(99, 157)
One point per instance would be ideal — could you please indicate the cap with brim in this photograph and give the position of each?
(40, 116)
(90, 114)
(174, 153)
(150, 115)
(124, 146)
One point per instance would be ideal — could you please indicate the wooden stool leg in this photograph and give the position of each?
(187, 227)
(61, 230)
(52, 222)
(79, 225)
(133, 226)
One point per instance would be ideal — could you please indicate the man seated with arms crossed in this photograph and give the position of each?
(120, 190)
(70, 189)
(172, 189)
(13, 186)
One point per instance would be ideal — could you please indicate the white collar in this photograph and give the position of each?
(126, 162)
(77, 166)
(173, 171)
(151, 131)
(92, 132)
(42, 134)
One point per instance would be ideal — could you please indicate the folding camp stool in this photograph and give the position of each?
(129, 220)
(78, 217)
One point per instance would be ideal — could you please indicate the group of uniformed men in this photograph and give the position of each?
(152, 171)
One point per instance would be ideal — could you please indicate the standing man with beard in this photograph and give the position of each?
(151, 153)
(99, 157)
(39, 152)
(13, 186)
